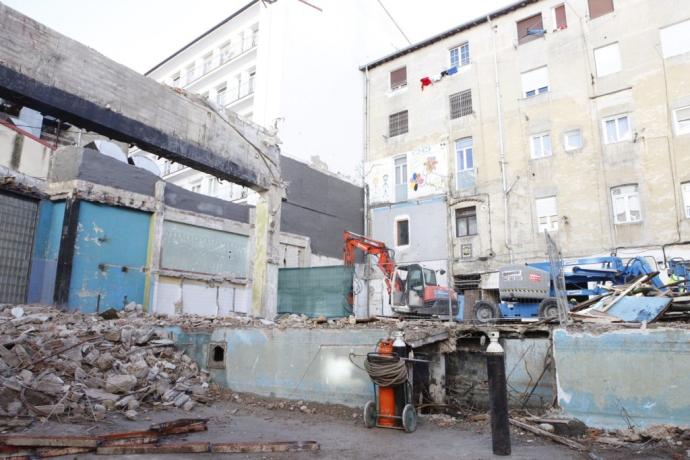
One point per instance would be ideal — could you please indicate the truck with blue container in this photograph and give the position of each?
(527, 291)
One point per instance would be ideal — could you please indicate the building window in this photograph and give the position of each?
(250, 80)
(399, 78)
(547, 214)
(255, 35)
(675, 39)
(460, 55)
(461, 104)
(190, 72)
(464, 162)
(397, 124)
(226, 52)
(221, 95)
(607, 59)
(466, 221)
(572, 140)
(401, 179)
(535, 82)
(617, 129)
(176, 80)
(196, 187)
(560, 17)
(530, 29)
(626, 204)
(685, 190)
(681, 120)
(540, 145)
(402, 232)
(208, 62)
(599, 8)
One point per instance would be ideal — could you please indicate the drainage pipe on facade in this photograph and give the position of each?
(502, 161)
(365, 156)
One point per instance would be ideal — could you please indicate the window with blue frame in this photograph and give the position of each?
(460, 55)
(464, 161)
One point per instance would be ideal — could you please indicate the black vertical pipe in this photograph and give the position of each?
(498, 403)
(400, 401)
(68, 238)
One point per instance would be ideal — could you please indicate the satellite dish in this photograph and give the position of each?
(144, 162)
(108, 149)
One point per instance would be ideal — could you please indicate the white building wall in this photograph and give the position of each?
(306, 83)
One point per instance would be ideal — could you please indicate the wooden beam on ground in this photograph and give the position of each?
(260, 446)
(152, 449)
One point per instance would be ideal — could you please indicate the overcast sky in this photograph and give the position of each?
(141, 33)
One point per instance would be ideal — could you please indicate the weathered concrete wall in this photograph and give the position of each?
(48, 71)
(311, 365)
(613, 379)
(23, 153)
(531, 377)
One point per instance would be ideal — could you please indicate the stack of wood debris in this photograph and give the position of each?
(637, 302)
(54, 363)
(155, 440)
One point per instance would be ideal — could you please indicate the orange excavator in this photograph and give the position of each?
(412, 288)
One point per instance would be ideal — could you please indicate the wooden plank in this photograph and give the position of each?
(128, 438)
(275, 446)
(554, 437)
(48, 441)
(60, 451)
(180, 426)
(143, 449)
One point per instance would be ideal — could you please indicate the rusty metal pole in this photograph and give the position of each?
(498, 396)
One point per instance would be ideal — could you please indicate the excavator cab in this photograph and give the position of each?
(416, 291)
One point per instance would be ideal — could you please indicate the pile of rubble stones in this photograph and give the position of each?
(54, 363)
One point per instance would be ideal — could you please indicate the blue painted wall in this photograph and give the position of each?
(618, 378)
(109, 258)
(45, 252)
(307, 364)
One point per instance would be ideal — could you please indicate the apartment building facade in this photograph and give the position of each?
(567, 117)
(290, 66)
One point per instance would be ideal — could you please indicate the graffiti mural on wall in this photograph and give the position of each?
(427, 171)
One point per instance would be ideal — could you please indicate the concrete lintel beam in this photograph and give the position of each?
(58, 76)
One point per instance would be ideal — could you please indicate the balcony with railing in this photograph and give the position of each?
(238, 92)
(227, 53)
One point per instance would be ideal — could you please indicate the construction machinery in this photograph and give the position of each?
(412, 288)
(527, 291)
(678, 270)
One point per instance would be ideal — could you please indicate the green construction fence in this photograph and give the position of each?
(317, 291)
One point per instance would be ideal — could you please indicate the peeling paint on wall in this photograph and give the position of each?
(624, 378)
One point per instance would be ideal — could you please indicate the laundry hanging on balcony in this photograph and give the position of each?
(427, 81)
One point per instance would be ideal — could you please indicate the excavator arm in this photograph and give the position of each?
(384, 255)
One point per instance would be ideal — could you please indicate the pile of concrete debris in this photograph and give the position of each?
(636, 302)
(79, 365)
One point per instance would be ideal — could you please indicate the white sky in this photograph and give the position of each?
(141, 33)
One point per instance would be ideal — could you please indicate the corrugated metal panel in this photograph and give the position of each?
(214, 252)
(319, 291)
(17, 225)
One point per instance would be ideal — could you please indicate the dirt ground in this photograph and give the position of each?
(339, 431)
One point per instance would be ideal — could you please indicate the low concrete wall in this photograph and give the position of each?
(307, 364)
(624, 377)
